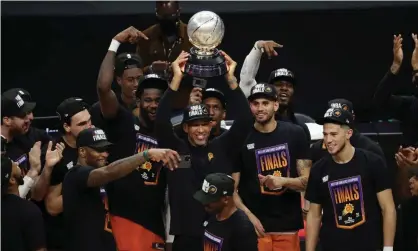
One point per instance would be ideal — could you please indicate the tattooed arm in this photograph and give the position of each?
(299, 184)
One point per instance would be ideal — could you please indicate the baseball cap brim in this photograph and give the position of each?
(28, 107)
(262, 95)
(281, 78)
(101, 145)
(214, 94)
(331, 120)
(205, 198)
(203, 118)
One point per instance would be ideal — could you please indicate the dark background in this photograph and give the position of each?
(54, 50)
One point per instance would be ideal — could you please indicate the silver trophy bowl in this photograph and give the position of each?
(206, 31)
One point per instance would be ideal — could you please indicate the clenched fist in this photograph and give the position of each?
(169, 157)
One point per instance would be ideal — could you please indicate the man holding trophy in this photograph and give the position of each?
(200, 156)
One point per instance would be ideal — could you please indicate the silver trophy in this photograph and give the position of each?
(206, 31)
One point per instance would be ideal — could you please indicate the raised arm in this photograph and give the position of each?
(120, 168)
(108, 101)
(252, 63)
(163, 127)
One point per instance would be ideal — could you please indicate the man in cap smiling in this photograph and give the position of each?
(200, 156)
(363, 176)
(319, 150)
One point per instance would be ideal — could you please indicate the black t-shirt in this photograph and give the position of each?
(139, 196)
(55, 224)
(18, 149)
(347, 194)
(319, 150)
(86, 224)
(22, 225)
(273, 153)
(233, 234)
(187, 215)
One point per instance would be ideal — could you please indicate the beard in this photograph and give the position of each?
(20, 180)
(145, 116)
(270, 117)
(168, 26)
(340, 149)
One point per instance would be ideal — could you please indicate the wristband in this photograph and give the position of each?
(387, 248)
(145, 155)
(114, 45)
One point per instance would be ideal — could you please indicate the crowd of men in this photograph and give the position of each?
(120, 177)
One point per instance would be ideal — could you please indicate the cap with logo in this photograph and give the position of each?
(94, 138)
(6, 171)
(125, 61)
(196, 112)
(151, 81)
(14, 103)
(282, 74)
(214, 93)
(69, 108)
(263, 91)
(336, 116)
(342, 104)
(215, 186)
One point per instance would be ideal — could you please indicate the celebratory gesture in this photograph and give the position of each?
(131, 35)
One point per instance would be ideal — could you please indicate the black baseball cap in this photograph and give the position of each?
(94, 138)
(214, 187)
(342, 104)
(69, 107)
(196, 112)
(6, 171)
(263, 91)
(151, 81)
(337, 116)
(214, 93)
(282, 74)
(13, 103)
(125, 61)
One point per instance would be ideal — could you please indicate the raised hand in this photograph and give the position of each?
(397, 53)
(195, 96)
(414, 59)
(269, 47)
(35, 157)
(131, 35)
(178, 65)
(230, 63)
(169, 157)
(53, 157)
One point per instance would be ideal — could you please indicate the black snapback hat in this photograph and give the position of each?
(337, 116)
(214, 93)
(263, 91)
(14, 103)
(196, 112)
(125, 61)
(69, 108)
(94, 138)
(214, 187)
(6, 171)
(151, 81)
(342, 104)
(282, 74)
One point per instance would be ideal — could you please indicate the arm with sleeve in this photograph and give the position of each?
(249, 69)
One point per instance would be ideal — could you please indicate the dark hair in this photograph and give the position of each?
(159, 3)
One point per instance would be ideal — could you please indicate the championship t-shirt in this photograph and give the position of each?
(347, 194)
(85, 214)
(236, 233)
(139, 196)
(274, 153)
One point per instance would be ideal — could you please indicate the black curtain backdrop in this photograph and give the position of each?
(333, 53)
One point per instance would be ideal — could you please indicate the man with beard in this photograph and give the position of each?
(351, 187)
(216, 105)
(319, 149)
(166, 40)
(137, 221)
(21, 220)
(15, 122)
(84, 211)
(74, 117)
(282, 79)
(201, 157)
(273, 149)
(228, 229)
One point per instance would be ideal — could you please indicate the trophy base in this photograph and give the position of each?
(205, 66)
